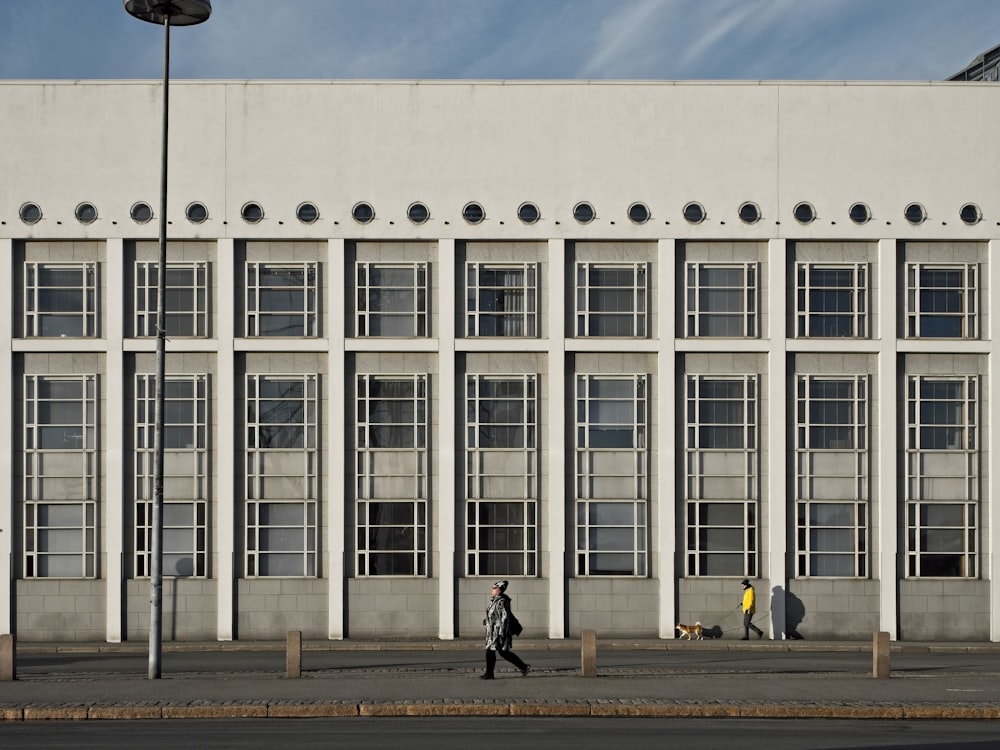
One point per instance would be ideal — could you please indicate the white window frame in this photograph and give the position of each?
(401, 544)
(488, 304)
(811, 292)
(738, 462)
(592, 291)
(700, 315)
(190, 320)
(501, 527)
(300, 314)
(186, 478)
(282, 525)
(379, 300)
(60, 508)
(920, 314)
(823, 523)
(611, 480)
(38, 310)
(942, 474)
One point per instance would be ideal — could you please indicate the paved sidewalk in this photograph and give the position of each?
(440, 678)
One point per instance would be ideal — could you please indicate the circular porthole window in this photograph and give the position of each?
(970, 214)
(418, 213)
(583, 212)
(363, 213)
(528, 213)
(473, 213)
(860, 213)
(749, 213)
(30, 213)
(86, 213)
(252, 213)
(804, 213)
(638, 213)
(915, 213)
(196, 213)
(141, 212)
(694, 213)
(307, 213)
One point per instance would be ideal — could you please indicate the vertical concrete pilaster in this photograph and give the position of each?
(335, 430)
(113, 440)
(991, 511)
(7, 428)
(664, 503)
(448, 394)
(777, 436)
(554, 496)
(885, 565)
(227, 462)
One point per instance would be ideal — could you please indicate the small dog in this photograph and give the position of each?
(689, 630)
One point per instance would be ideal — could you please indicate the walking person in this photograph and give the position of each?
(749, 606)
(498, 635)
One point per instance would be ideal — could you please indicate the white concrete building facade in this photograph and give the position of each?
(623, 344)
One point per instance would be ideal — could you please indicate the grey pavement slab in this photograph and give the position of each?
(77, 681)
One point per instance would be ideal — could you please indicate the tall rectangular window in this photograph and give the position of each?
(60, 299)
(185, 474)
(611, 475)
(831, 475)
(941, 300)
(282, 470)
(721, 300)
(187, 299)
(831, 300)
(611, 299)
(501, 299)
(392, 475)
(282, 299)
(60, 476)
(942, 477)
(501, 475)
(721, 475)
(392, 299)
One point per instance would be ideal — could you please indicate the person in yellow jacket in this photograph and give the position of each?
(749, 606)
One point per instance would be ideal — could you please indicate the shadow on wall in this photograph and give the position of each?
(795, 612)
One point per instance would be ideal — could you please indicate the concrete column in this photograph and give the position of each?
(336, 438)
(554, 498)
(880, 655)
(7, 428)
(449, 391)
(777, 436)
(663, 508)
(228, 422)
(8, 658)
(588, 653)
(991, 511)
(293, 654)
(884, 563)
(116, 276)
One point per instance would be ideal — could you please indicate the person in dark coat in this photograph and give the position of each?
(498, 635)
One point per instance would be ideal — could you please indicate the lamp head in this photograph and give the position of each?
(174, 12)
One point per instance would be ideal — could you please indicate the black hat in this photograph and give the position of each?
(745, 583)
(502, 585)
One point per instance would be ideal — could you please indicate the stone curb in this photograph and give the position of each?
(597, 709)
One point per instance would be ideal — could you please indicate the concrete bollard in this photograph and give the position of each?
(7, 672)
(880, 655)
(588, 653)
(293, 654)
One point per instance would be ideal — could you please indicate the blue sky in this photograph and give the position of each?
(506, 39)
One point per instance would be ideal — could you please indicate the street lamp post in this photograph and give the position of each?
(167, 13)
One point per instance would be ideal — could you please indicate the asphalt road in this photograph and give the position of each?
(506, 732)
